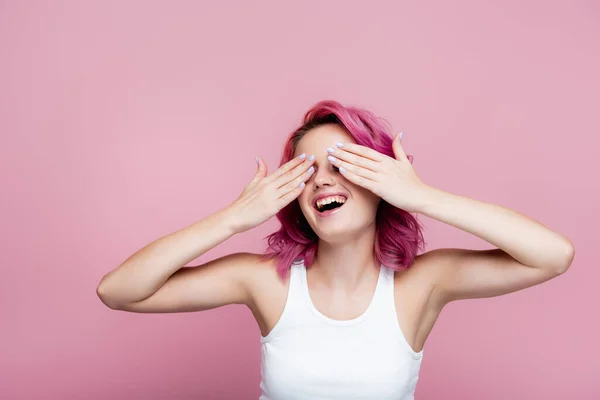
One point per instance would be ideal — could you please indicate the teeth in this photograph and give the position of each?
(327, 200)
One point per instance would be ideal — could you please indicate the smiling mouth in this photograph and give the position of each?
(328, 204)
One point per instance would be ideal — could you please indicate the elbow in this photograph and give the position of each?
(104, 296)
(568, 254)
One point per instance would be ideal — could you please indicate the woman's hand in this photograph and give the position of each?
(266, 195)
(394, 180)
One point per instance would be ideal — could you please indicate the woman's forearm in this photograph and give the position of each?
(525, 239)
(145, 271)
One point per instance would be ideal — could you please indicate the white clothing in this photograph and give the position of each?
(308, 356)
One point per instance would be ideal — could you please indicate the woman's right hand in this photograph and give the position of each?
(266, 195)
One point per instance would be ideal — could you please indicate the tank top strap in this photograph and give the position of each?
(389, 312)
(379, 306)
(387, 284)
(296, 298)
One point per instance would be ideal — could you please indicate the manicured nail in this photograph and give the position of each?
(330, 150)
(311, 170)
(339, 144)
(400, 135)
(256, 160)
(312, 157)
(342, 170)
(302, 156)
(332, 159)
(301, 185)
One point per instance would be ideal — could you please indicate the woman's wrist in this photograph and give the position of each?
(230, 220)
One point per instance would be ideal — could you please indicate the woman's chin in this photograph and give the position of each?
(335, 234)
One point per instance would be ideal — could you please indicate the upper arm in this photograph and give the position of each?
(466, 274)
(214, 284)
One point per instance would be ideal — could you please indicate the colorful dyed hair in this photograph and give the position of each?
(398, 234)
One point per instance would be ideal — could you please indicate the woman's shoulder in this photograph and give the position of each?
(258, 263)
(268, 290)
(425, 266)
(419, 277)
(261, 273)
(413, 290)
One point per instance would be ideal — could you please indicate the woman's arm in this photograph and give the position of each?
(527, 252)
(148, 269)
(154, 278)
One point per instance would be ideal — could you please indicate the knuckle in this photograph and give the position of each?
(293, 163)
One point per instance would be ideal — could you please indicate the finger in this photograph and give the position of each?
(291, 185)
(354, 169)
(261, 171)
(355, 159)
(294, 173)
(397, 147)
(288, 166)
(261, 168)
(289, 196)
(359, 180)
(364, 151)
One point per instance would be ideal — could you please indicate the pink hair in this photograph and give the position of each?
(398, 234)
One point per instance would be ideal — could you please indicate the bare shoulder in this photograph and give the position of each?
(416, 284)
(268, 291)
(262, 273)
(256, 273)
(432, 270)
(413, 291)
(422, 273)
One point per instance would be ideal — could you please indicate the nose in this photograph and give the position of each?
(324, 176)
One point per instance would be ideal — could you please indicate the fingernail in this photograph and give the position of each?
(311, 170)
(256, 160)
(332, 159)
(400, 137)
(301, 184)
(302, 156)
(339, 144)
(342, 169)
(330, 150)
(312, 157)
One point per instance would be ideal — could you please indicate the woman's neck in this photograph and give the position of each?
(346, 266)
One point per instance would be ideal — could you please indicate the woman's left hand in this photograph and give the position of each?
(394, 180)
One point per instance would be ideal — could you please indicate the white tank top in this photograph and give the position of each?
(310, 356)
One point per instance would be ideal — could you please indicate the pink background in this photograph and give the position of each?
(124, 121)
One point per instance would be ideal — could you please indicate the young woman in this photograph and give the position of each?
(343, 301)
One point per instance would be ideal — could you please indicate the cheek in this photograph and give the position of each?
(367, 200)
(303, 201)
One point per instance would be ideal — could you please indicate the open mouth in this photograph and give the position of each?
(329, 203)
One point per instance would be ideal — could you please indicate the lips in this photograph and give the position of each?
(324, 195)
